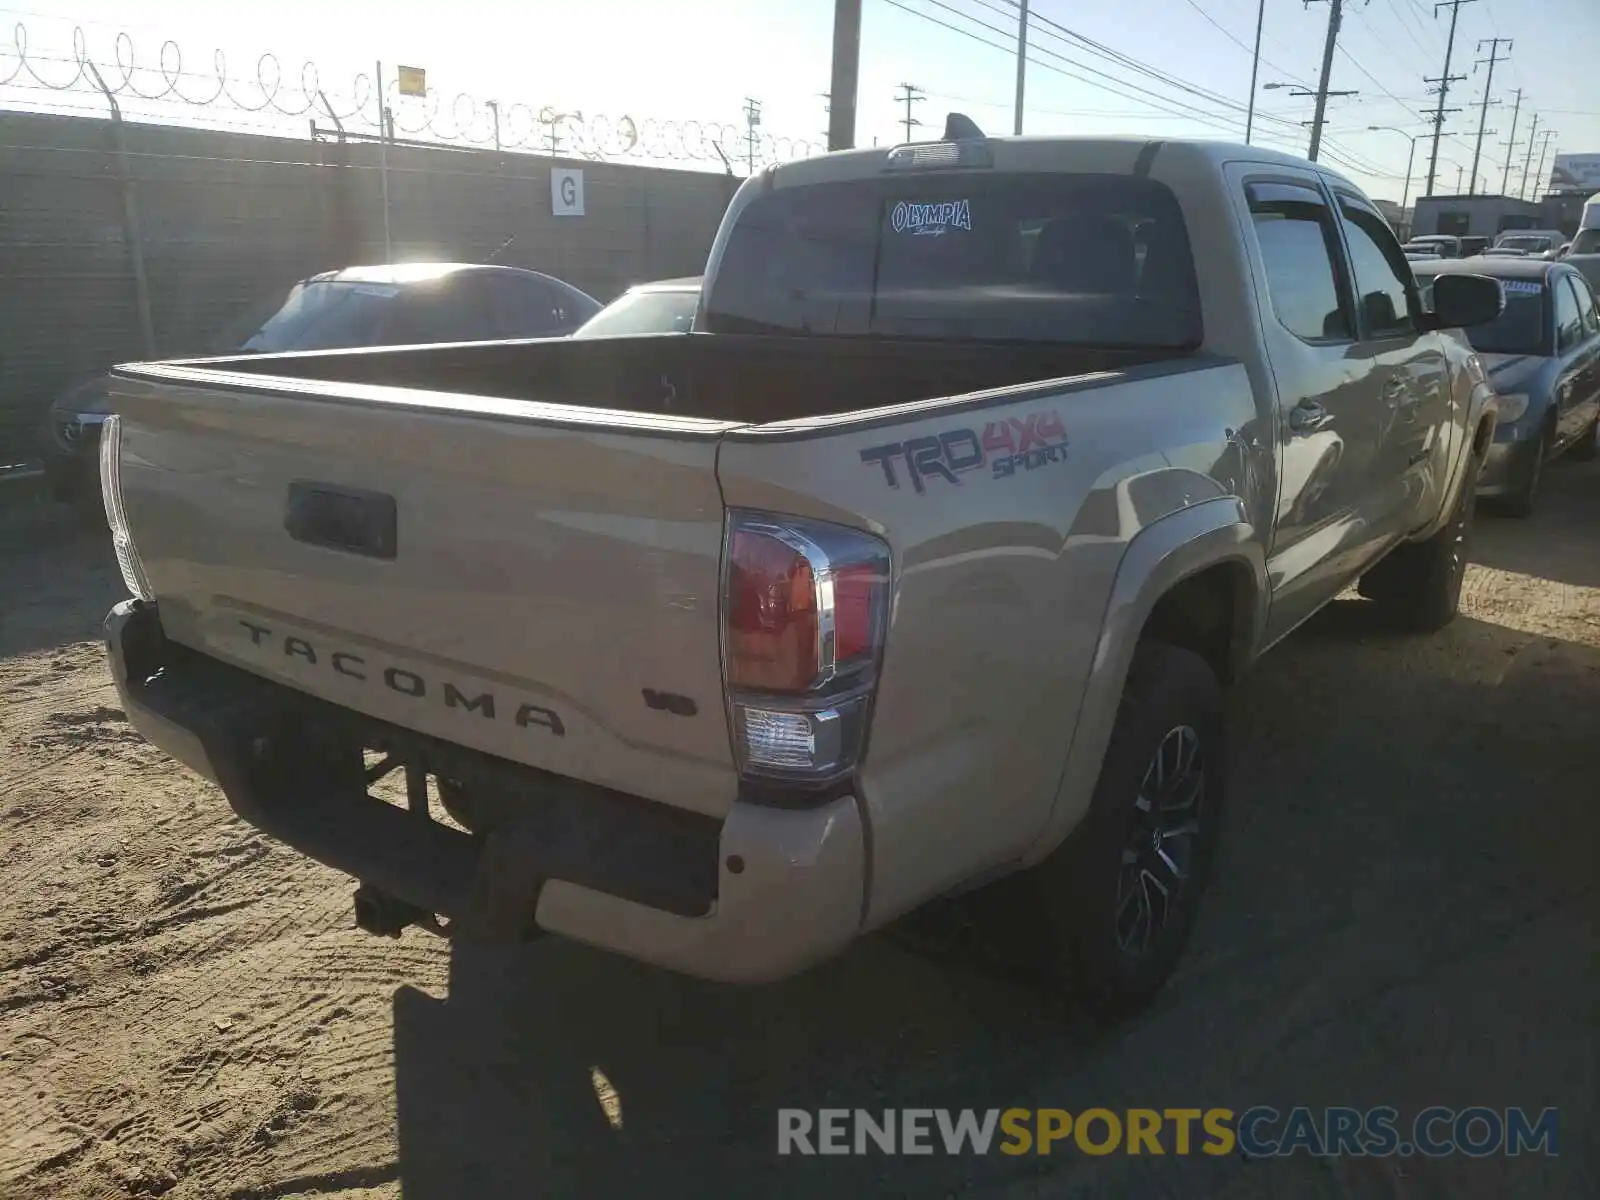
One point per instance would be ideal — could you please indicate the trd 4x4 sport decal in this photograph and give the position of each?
(1006, 447)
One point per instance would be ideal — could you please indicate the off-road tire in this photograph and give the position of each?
(1075, 891)
(1418, 584)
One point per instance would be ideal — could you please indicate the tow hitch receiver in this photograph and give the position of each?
(382, 914)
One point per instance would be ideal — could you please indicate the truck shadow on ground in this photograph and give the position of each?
(1405, 896)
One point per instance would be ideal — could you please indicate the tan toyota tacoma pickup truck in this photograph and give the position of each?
(923, 562)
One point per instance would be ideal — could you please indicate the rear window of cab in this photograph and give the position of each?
(1064, 258)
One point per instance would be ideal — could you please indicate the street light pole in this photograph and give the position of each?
(1405, 191)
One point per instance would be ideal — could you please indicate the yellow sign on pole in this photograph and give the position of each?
(413, 81)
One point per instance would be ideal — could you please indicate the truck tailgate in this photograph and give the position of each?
(538, 583)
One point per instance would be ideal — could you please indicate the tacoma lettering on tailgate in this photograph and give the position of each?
(1014, 444)
(403, 680)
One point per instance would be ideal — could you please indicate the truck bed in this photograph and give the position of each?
(722, 377)
(518, 547)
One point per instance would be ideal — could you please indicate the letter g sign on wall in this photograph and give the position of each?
(566, 191)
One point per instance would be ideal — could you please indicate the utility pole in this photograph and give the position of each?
(1444, 81)
(1488, 84)
(1511, 143)
(1335, 15)
(494, 111)
(827, 109)
(846, 71)
(1316, 124)
(1255, 68)
(909, 94)
(1539, 178)
(1022, 65)
(1527, 165)
(752, 121)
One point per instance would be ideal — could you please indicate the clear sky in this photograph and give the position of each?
(1158, 67)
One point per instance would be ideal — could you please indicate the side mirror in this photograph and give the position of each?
(1462, 300)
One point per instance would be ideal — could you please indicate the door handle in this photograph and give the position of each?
(1308, 416)
(1398, 394)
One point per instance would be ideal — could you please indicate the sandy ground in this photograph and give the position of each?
(1405, 915)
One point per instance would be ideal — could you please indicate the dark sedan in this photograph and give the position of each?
(1543, 356)
(410, 303)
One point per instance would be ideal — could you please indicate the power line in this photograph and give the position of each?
(1444, 81)
(1071, 36)
(1254, 53)
(1156, 101)
(1210, 119)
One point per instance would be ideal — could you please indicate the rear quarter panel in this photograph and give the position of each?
(1001, 581)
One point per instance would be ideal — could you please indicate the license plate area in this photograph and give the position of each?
(350, 520)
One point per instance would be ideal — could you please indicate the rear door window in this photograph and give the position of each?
(1380, 270)
(1586, 305)
(1569, 319)
(1087, 259)
(1299, 247)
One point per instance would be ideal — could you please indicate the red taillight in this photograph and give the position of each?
(772, 615)
(855, 588)
(804, 614)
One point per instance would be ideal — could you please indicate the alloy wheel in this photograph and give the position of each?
(1159, 855)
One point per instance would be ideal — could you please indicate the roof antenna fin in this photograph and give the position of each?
(958, 127)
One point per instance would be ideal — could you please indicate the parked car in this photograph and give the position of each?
(1543, 356)
(1473, 245)
(666, 306)
(356, 306)
(1449, 246)
(1585, 253)
(923, 561)
(1536, 243)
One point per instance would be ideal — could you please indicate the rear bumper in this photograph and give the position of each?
(755, 897)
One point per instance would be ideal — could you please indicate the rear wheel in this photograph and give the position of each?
(1119, 898)
(1419, 584)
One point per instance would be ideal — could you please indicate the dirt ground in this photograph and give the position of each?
(1405, 915)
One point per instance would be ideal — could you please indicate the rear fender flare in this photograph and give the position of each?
(1159, 557)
